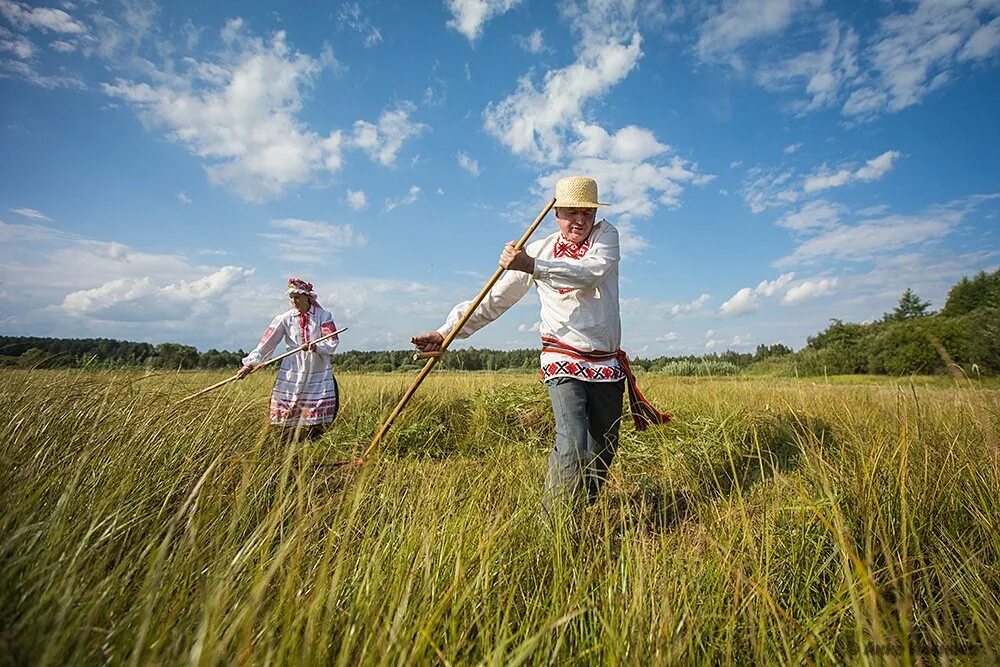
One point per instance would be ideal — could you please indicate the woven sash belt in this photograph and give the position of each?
(643, 412)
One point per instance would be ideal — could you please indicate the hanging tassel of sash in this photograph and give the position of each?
(643, 412)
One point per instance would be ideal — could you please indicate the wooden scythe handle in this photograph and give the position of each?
(432, 357)
(260, 366)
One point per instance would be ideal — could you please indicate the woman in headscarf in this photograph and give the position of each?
(305, 397)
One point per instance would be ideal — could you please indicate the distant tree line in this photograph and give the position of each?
(964, 335)
(27, 352)
(910, 339)
(31, 352)
(473, 359)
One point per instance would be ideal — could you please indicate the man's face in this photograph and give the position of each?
(575, 223)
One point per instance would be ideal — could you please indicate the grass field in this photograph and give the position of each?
(775, 521)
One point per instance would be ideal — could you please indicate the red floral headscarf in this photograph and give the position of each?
(299, 286)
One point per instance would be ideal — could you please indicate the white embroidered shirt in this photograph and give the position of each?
(578, 290)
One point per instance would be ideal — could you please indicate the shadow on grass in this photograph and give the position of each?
(773, 446)
(658, 508)
(769, 447)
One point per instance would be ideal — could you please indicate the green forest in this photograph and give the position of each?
(964, 336)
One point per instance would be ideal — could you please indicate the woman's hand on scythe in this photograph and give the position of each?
(245, 371)
(428, 342)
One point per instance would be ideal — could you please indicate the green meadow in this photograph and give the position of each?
(816, 521)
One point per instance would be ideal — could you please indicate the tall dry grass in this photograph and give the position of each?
(772, 522)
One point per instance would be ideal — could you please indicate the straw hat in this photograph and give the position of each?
(577, 192)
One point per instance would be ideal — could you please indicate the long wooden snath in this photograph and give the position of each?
(434, 356)
(260, 366)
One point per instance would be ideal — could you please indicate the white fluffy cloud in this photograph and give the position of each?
(741, 340)
(823, 72)
(71, 262)
(383, 140)
(872, 170)
(536, 122)
(634, 172)
(814, 215)
(411, 196)
(31, 213)
(915, 52)
(910, 52)
(98, 288)
(865, 240)
(710, 340)
(533, 43)
(769, 287)
(61, 46)
(741, 303)
(809, 289)
(629, 144)
(690, 307)
(357, 200)
(546, 122)
(239, 112)
(878, 236)
(983, 43)
(930, 274)
(468, 163)
(310, 240)
(350, 14)
(746, 300)
(46, 19)
(469, 16)
(764, 188)
(383, 313)
(26, 71)
(19, 45)
(737, 22)
(876, 167)
(767, 188)
(142, 300)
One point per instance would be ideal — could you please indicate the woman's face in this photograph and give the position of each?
(300, 301)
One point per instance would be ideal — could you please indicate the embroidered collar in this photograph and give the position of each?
(564, 248)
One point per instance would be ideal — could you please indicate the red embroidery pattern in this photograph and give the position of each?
(328, 328)
(572, 250)
(582, 371)
(643, 412)
(569, 250)
(304, 326)
(326, 414)
(267, 334)
(304, 409)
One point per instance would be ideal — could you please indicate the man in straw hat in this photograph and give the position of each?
(576, 273)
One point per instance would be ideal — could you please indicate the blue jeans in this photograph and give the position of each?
(587, 418)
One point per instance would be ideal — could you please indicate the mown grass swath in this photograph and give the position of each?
(773, 521)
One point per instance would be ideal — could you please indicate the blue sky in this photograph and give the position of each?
(771, 164)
